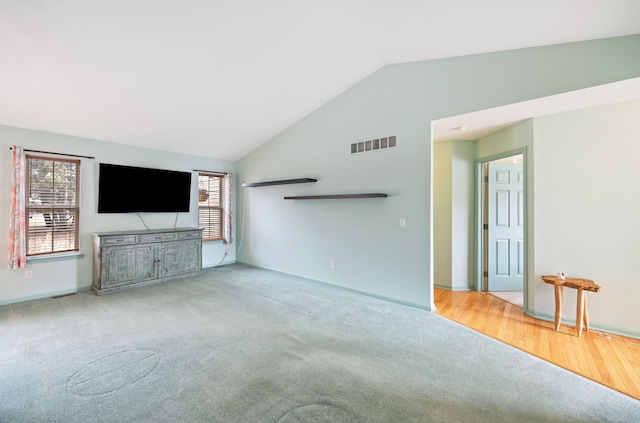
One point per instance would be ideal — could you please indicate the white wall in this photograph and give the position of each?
(586, 211)
(55, 276)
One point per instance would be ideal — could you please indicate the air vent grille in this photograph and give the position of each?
(372, 145)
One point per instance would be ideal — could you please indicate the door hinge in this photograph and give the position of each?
(485, 226)
(486, 179)
(485, 274)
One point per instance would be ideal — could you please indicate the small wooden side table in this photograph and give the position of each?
(582, 313)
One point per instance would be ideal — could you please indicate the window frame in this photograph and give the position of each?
(30, 231)
(219, 208)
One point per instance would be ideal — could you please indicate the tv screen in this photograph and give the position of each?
(127, 189)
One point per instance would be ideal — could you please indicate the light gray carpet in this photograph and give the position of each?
(238, 344)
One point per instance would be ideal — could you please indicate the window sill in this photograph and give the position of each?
(56, 257)
(213, 241)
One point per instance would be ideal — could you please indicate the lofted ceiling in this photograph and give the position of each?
(219, 78)
(475, 125)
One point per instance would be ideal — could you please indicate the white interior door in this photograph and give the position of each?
(505, 227)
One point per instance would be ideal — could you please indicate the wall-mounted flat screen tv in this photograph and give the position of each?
(128, 189)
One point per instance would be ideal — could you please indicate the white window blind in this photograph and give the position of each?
(210, 206)
(52, 206)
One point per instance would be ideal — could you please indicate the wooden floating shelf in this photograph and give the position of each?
(334, 196)
(281, 182)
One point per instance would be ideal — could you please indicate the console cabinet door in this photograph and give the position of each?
(180, 257)
(127, 264)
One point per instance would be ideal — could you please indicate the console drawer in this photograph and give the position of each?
(166, 236)
(117, 240)
(189, 235)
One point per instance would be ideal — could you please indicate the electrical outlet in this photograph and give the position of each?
(403, 222)
(28, 274)
(332, 264)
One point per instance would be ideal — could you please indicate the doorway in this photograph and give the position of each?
(501, 226)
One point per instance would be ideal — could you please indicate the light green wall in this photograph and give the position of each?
(581, 213)
(517, 137)
(443, 214)
(462, 214)
(453, 193)
(586, 210)
(506, 140)
(372, 253)
(58, 276)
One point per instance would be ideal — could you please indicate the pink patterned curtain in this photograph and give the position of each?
(17, 234)
(228, 195)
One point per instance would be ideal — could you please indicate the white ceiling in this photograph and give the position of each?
(219, 78)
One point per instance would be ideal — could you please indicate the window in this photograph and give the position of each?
(210, 206)
(52, 205)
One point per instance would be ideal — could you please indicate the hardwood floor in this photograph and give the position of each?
(611, 360)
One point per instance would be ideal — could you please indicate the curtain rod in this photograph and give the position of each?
(56, 154)
(211, 171)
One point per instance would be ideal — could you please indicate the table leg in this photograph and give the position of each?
(558, 316)
(580, 311)
(586, 314)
